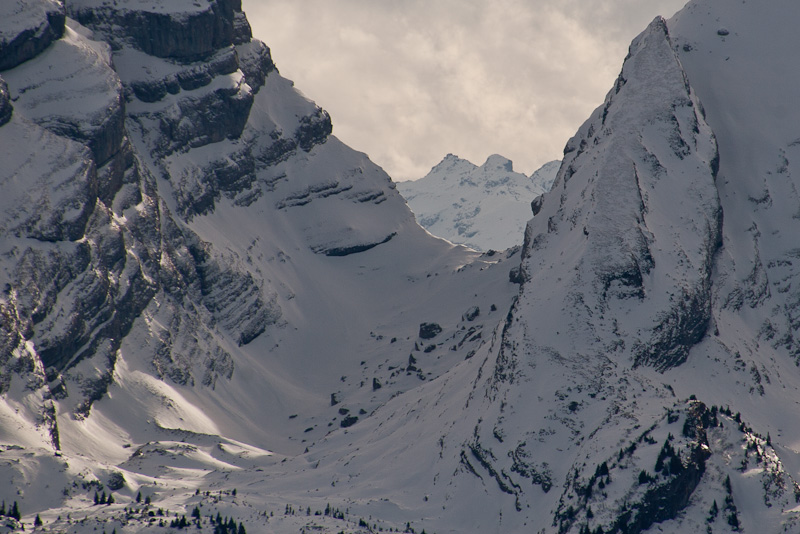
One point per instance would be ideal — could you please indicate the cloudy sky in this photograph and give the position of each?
(409, 81)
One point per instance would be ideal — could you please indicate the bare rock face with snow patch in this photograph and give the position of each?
(95, 245)
(6, 109)
(122, 140)
(181, 30)
(28, 28)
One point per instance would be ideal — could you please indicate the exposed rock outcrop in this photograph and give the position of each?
(618, 161)
(188, 33)
(29, 26)
(6, 109)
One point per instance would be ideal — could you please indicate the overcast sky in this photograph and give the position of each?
(409, 81)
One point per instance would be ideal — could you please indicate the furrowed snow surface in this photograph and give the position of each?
(211, 302)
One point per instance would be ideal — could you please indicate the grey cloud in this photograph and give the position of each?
(408, 81)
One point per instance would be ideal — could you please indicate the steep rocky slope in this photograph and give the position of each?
(646, 376)
(480, 207)
(188, 254)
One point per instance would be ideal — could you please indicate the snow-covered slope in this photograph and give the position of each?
(193, 266)
(645, 314)
(659, 290)
(482, 207)
(211, 302)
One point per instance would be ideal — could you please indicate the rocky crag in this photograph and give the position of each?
(160, 180)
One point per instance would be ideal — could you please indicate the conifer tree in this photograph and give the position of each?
(139, 497)
(241, 528)
(37, 522)
(15, 512)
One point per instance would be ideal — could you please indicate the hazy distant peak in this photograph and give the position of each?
(450, 165)
(546, 175)
(499, 163)
(482, 207)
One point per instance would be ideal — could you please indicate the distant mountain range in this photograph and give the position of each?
(483, 207)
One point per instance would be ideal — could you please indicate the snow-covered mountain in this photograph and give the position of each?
(481, 207)
(189, 256)
(209, 303)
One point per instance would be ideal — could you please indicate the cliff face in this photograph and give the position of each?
(186, 31)
(28, 29)
(88, 241)
(115, 136)
(184, 243)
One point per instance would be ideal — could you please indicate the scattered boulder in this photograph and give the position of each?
(350, 420)
(515, 276)
(429, 330)
(116, 481)
(471, 314)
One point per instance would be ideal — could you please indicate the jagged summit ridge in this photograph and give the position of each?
(484, 207)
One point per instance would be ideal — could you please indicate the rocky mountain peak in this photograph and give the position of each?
(482, 207)
(496, 162)
(450, 165)
(136, 121)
